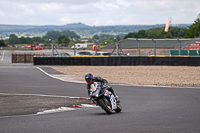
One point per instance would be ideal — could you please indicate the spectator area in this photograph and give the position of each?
(131, 43)
(195, 46)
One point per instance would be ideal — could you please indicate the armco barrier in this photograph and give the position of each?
(117, 61)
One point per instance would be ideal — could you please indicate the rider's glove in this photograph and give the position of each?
(104, 86)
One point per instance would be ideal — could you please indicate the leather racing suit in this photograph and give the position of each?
(105, 85)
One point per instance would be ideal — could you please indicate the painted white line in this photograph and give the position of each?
(183, 87)
(3, 55)
(89, 106)
(61, 109)
(122, 84)
(59, 78)
(33, 95)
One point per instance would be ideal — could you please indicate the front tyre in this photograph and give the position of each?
(119, 108)
(107, 108)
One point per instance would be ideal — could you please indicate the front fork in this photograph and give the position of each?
(112, 99)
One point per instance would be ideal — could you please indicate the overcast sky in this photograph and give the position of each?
(98, 12)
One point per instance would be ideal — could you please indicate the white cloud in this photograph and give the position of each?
(98, 12)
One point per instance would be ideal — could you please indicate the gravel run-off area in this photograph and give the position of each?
(139, 75)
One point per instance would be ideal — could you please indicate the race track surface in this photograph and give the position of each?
(145, 109)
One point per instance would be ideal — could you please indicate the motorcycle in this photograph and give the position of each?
(104, 98)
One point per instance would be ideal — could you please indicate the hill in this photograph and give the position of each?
(80, 28)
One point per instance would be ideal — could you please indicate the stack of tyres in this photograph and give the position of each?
(79, 61)
(83, 61)
(40, 60)
(98, 61)
(151, 61)
(49, 60)
(110, 61)
(124, 61)
(88, 61)
(105, 61)
(95, 61)
(60, 60)
(118, 61)
(35, 61)
(75, 61)
(44, 60)
(114, 62)
(71, 61)
(56, 60)
(135, 61)
(67, 61)
(52, 61)
(166, 62)
(129, 61)
(145, 60)
(64, 61)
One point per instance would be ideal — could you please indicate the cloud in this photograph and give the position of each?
(98, 12)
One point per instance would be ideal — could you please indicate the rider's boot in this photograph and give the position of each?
(116, 97)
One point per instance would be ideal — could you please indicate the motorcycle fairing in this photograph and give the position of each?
(112, 99)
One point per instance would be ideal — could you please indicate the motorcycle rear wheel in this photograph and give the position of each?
(105, 106)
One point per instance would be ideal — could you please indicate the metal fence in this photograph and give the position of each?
(25, 58)
(152, 44)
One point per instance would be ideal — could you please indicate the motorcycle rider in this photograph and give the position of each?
(90, 79)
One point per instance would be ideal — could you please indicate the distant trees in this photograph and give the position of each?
(96, 37)
(56, 34)
(60, 37)
(70, 34)
(63, 37)
(53, 34)
(2, 43)
(64, 40)
(13, 39)
(27, 40)
(158, 33)
(105, 39)
(106, 42)
(194, 29)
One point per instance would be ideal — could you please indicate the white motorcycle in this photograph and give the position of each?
(104, 98)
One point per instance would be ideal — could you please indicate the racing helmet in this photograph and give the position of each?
(89, 78)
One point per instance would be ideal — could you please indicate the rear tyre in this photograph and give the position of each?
(107, 108)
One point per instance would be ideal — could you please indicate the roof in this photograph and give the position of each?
(148, 43)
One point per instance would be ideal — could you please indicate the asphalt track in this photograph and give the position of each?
(145, 109)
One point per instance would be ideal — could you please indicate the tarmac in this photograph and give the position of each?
(12, 105)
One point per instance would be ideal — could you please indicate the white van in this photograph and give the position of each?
(80, 46)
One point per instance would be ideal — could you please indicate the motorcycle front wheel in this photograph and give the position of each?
(105, 106)
(119, 108)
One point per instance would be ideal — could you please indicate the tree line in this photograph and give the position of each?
(62, 38)
(174, 32)
(158, 33)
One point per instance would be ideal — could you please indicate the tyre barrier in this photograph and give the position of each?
(117, 61)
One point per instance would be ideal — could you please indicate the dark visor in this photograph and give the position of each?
(88, 79)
